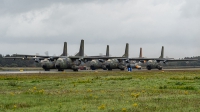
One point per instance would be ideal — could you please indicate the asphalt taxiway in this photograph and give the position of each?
(99, 70)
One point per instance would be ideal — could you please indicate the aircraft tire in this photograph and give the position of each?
(92, 68)
(60, 70)
(110, 69)
(148, 67)
(75, 70)
(122, 69)
(46, 69)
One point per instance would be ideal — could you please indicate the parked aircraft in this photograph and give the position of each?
(157, 64)
(72, 62)
(97, 63)
(47, 62)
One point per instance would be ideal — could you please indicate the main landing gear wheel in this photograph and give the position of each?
(109, 69)
(92, 67)
(148, 67)
(60, 69)
(46, 69)
(122, 69)
(76, 70)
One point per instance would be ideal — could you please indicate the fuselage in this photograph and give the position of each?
(153, 64)
(114, 64)
(66, 63)
(95, 64)
(47, 65)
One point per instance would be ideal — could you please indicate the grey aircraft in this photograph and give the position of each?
(47, 62)
(97, 63)
(122, 64)
(152, 63)
(155, 63)
(72, 62)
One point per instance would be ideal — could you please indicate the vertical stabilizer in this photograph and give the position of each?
(140, 55)
(126, 51)
(162, 52)
(64, 49)
(81, 50)
(107, 51)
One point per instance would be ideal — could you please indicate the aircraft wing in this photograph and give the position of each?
(41, 57)
(27, 55)
(178, 60)
(14, 58)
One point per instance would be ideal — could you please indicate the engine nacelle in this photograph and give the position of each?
(127, 61)
(51, 59)
(37, 60)
(121, 67)
(75, 68)
(101, 60)
(142, 61)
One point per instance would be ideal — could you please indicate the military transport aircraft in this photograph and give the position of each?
(124, 61)
(155, 63)
(72, 62)
(47, 62)
(97, 63)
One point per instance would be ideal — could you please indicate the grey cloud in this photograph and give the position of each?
(148, 24)
(191, 9)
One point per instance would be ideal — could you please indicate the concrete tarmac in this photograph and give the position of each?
(99, 70)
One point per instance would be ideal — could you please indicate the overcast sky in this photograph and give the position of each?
(36, 26)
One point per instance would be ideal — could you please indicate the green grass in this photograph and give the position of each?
(101, 92)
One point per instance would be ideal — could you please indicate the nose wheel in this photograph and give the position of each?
(60, 69)
(76, 70)
(148, 67)
(92, 67)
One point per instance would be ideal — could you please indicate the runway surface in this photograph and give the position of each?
(55, 71)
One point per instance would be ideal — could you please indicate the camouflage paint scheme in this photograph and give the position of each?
(72, 62)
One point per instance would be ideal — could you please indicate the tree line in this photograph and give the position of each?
(17, 62)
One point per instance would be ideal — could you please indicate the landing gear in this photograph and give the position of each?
(104, 68)
(46, 69)
(60, 69)
(159, 67)
(122, 69)
(92, 68)
(148, 67)
(110, 69)
(76, 70)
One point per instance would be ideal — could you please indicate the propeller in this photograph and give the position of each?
(127, 61)
(101, 60)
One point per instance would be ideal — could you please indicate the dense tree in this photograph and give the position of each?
(17, 63)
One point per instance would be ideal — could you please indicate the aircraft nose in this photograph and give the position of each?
(57, 66)
(44, 66)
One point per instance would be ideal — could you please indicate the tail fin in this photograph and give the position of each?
(81, 50)
(140, 55)
(126, 51)
(107, 51)
(64, 49)
(162, 52)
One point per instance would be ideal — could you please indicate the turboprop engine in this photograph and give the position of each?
(47, 65)
(153, 65)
